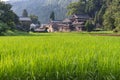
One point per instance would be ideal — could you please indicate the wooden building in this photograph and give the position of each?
(78, 21)
(75, 23)
(58, 26)
(25, 23)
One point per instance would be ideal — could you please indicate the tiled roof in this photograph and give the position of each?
(66, 20)
(24, 19)
(85, 16)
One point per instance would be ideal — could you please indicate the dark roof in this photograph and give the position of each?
(56, 21)
(24, 19)
(67, 20)
(40, 29)
(85, 16)
(79, 23)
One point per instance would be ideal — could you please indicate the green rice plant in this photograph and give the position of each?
(60, 56)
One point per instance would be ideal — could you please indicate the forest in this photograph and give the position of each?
(105, 13)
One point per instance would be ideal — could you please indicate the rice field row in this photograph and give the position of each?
(60, 56)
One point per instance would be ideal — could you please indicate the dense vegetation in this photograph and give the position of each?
(8, 18)
(60, 56)
(106, 13)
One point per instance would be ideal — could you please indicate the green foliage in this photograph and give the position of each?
(112, 16)
(76, 8)
(99, 16)
(85, 6)
(89, 26)
(116, 30)
(93, 6)
(104, 12)
(34, 19)
(73, 8)
(5, 7)
(60, 56)
(108, 21)
(52, 15)
(117, 15)
(25, 13)
(8, 16)
(3, 28)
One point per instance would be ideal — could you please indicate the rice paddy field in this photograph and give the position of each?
(60, 56)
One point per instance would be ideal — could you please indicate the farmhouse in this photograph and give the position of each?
(67, 21)
(25, 23)
(80, 17)
(58, 26)
(78, 21)
(75, 23)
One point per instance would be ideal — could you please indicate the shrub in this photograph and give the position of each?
(11, 25)
(89, 26)
(3, 28)
(116, 30)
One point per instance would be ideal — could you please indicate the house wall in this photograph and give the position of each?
(25, 25)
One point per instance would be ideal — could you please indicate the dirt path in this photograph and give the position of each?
(103, 34)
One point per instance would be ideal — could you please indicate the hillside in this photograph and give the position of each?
(42, 8)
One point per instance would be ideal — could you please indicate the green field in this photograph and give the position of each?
(60, 56)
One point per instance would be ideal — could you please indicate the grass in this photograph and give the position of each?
(60, 56)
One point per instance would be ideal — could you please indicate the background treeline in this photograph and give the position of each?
(42, 8)
(105, 13)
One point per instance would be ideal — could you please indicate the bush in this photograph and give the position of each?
(3, 28)
(89, 26)
(11, 25)
(116, 30)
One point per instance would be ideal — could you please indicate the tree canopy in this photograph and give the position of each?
(7, 16)
(52, 15)
(34, 19)
(25, 13)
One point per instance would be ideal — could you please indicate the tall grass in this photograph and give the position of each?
(60, 57)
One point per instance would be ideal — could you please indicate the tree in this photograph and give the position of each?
(3, 28)
(99, 16)
(117, 14)
(52, 15)
(108, 21)
(25, 13)
(93, 6)
(76, 8)
(89, 26)
(7, 16)
(112, 16)
(34, 19)
(117, 21)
